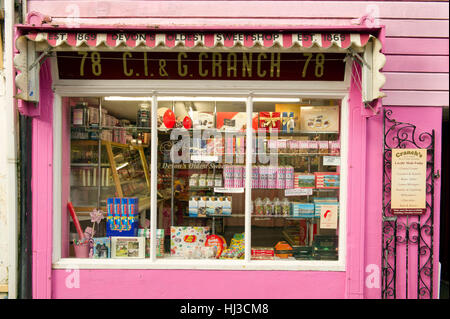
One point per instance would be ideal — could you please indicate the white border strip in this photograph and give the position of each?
(199, 264)
(11, 151)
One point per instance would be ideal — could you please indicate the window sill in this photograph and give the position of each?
(278, 265)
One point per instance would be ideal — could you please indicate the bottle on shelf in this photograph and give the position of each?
(143, 115)
(80, 114)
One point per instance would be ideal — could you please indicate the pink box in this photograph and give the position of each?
(238, 176)
(228, 176)
(272, 177)
(281, 177)
(255, 177)
(289, 177)
(263, 177)
(335, 147)
(302, 147)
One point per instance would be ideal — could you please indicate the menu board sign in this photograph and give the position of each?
(408, 190)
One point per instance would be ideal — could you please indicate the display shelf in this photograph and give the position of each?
(88, 165)
(109, 128)
(92, 142)
(255, 216)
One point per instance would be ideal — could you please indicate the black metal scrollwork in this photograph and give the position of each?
(409, 233)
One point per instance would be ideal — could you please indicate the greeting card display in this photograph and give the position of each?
(101, 247)
(127, 247)
(319, 119)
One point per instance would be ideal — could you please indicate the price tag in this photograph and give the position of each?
(331, 161)
(228, 190)
(204, 158)
(298, 192)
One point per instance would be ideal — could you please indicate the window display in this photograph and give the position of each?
(201, 173)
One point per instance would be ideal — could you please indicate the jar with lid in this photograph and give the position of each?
(80, 114)
(143, 115)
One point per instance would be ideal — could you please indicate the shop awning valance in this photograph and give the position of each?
(34, 45)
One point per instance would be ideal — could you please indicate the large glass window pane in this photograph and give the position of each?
(201, 159)
(109, 172)
(295, 181)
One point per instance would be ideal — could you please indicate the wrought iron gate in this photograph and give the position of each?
(407, 240)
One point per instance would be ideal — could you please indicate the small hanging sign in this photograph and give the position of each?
(409, 176)
(328, 216)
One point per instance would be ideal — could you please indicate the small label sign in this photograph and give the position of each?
(298, 192)
(331, 161)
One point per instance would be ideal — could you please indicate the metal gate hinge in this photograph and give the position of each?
(437, 174)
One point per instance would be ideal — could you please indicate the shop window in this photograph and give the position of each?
(202, 207)
(109, 176)
(296, 181)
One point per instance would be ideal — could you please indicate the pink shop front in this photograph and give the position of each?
(225, 165)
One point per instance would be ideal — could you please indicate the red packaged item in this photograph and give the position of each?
(262, 253)
(271, 121)
(216, 241)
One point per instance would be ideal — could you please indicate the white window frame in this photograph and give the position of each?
(245, 89)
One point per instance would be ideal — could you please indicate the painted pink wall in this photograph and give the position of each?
(199, 284)
(416, 48)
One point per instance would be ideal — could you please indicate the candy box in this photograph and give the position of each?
(327, 180)
(210, 205)
(302, 180)
(217, 242)
(270, 121)
(122, 216)
(334, 147)
(186, 237)
(226, 206)
(193, 207)
(101, 247)
(287, 122)
(323, 147)
(159, 241)
(304, 210)
(127, 247)
(201, 212)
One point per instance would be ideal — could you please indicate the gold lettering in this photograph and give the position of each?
(217, 64)
(260, 73)
(200, 60)
(162, 67)
(182, 69)
(246, 65)
(125, 69)
(274, 64)
(231, 64)
(145, 64)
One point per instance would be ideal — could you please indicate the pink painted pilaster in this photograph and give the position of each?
(41, 187)
(356, 195)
